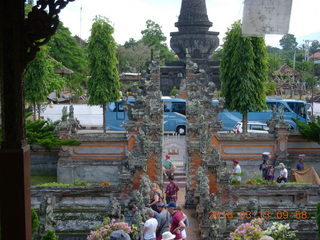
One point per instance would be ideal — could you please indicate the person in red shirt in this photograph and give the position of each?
(171, 190)
(176, 220)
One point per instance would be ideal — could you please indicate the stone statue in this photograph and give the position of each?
(145, 189)
(71, 112)
(64, 114)
(46, 219)
(274, 112)
(115, 209)
(281, 113)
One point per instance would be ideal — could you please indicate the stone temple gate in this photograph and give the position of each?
(194, 44)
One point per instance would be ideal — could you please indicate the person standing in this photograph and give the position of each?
(164, 220)
(150, 226)
(155, 196)
(168, 167)
(186, 223)
(177, 224)
(171, 190)
(300, 164)
(236, 171)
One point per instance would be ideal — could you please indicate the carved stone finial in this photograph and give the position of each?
(41, 24)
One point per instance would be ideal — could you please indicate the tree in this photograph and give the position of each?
(310, 130)
(153, 37)
(104, 84)
(133, 58)
(243, 72)
(288, 43)
(315, 47)
(40, 80)
(64, 48)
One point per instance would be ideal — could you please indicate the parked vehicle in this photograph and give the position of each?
(174, 119)
(253, 127)
(296, 109)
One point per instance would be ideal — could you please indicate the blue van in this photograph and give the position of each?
(174, 115)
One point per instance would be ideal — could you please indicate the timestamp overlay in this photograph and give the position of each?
(265, 214)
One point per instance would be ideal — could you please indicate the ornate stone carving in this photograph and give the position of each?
(145, 122)
(46, 220)
(145, 189)
(41, 24)
(193, 25)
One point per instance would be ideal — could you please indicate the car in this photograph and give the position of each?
(253, 127)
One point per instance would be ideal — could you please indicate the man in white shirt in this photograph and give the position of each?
(236, 171)
(150, 226)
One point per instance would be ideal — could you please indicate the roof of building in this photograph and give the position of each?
(62, 70)
(315, 56)
(285, 70)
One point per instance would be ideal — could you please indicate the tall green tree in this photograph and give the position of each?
(133, 57)
(64, 48)
(104, 84)
(243, 72)
(40, 80)
(289, 44)
(153, 37)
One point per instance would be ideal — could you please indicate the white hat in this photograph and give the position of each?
(265, 153)
(281, 165)
(168, 236)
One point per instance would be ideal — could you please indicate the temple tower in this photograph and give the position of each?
(194, 34)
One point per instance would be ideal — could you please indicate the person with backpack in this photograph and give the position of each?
(164, 220)
(168, 167)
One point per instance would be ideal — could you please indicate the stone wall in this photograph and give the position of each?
(99, 158)
(276, 199)
(76, 210)
(248, 148)
(221, 213)
(44, 162)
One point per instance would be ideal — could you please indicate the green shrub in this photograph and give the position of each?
(50, 235)
(79, 182)
(318, 218)
(55, 184)
(35, 221)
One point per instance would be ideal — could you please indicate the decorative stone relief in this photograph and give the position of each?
(145, 115)
(46, 220)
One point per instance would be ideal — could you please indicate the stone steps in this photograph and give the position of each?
(180, 177)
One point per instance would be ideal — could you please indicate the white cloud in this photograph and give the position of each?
(129, 16)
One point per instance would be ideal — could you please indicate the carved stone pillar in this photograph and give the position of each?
(145, 127)
(201, 126)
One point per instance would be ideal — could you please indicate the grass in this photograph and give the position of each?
(42, 179)
(48, 180)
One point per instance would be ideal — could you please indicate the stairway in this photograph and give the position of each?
(180, 177)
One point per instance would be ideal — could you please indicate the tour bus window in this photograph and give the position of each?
(301, 111)
(179, 107)
(292, 106)
(167, 106)
(285, 109)
(120, 107)
(112, 107)
(270, 106)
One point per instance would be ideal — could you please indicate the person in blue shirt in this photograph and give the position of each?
(300, 164)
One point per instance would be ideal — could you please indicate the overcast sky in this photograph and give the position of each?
(129, 17)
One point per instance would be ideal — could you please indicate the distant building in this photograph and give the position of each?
(315, 56)
(127, 78)
(80, 41)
